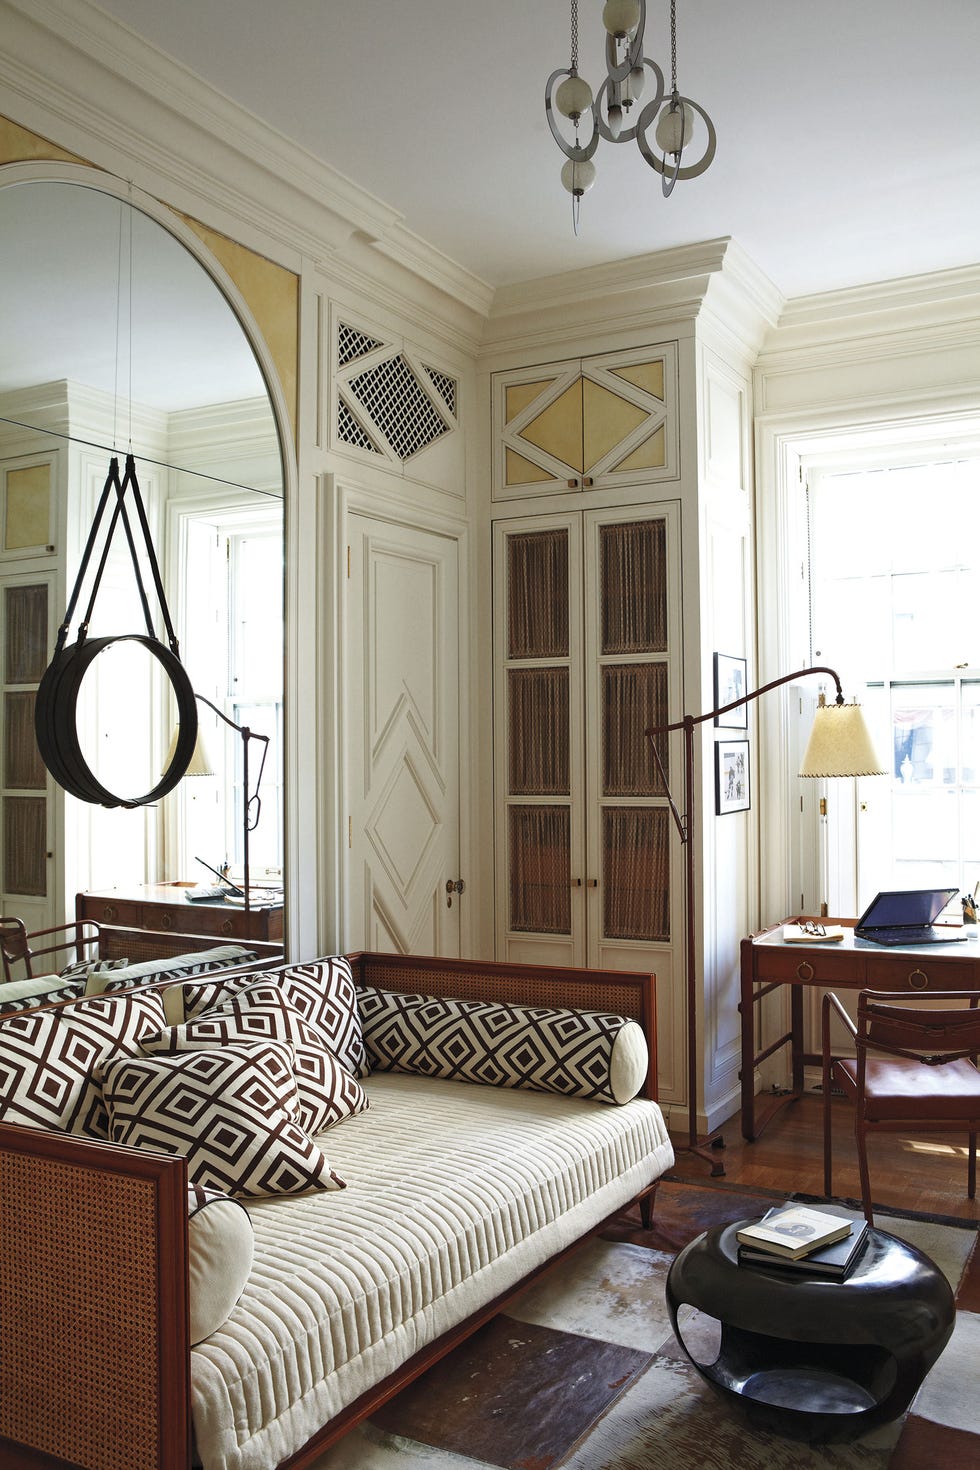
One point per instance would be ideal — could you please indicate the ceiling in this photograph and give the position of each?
(848, 133)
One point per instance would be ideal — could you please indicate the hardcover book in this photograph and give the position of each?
(793, 1231)
(832, 1261)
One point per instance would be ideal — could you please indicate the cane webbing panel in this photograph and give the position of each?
(90, 1394)
(624, 999)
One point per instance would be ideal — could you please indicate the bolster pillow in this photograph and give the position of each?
(577, 1053)
(220, 1247)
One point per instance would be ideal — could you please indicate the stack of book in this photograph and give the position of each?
(797, 1238)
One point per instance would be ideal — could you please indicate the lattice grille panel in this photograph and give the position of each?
(446, 388)
(352, 344)
(396, 402)
(349, 431)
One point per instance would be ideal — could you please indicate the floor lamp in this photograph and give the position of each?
(839, 745)
(251, 805)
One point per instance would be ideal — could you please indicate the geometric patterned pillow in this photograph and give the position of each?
(81, 969)
(47, 1060)
(261, 1012)
(231, 1112)
(545, 1049)
(322, 991)
(178, 967)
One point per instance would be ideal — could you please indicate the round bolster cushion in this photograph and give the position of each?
(221, 1244)
(545, 1049)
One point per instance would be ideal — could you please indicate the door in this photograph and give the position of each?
(588, 642)
(402, 718)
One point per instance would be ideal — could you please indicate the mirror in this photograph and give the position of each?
(113, 337)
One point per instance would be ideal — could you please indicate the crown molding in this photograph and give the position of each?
(92, 85)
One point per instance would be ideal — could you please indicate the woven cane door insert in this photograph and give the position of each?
(24, 811)
(90, 1394)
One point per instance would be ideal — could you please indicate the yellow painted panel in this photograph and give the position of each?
(17, 145)
(272, 294)
(517, 396)
(558, 430)
(520, 471)
(646, 375)
(650, 455)
(28, 518)
(608, 419)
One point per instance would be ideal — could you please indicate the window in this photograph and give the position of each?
(894, 568)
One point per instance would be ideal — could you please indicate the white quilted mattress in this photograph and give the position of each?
(454, 1192)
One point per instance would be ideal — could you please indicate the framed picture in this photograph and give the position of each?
(731, 776)
(729, 685)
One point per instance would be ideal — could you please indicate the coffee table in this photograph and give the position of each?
(816, 1359)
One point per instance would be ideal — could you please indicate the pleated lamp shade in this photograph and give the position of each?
(200, 764)
(839, 744)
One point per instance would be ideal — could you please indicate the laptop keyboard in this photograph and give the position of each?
(909, 935)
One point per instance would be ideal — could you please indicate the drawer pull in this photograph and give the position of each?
(919, 980)
(109, 913)
(166, 921)
(805, 971)
(227, 926)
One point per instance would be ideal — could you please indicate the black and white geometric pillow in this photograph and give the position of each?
(62, 990)
(322, 991)
(48, 1057)
(201, 965)
(261, 1012)
(81, 969)
(231, 1112)
(576, 1053)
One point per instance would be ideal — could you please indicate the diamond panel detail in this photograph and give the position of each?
(397, 403)
(445, 387)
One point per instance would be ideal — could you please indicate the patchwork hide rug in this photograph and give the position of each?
(583, 1371)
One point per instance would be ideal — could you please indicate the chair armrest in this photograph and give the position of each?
(832, 1006)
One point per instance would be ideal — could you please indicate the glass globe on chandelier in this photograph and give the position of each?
(628, 74)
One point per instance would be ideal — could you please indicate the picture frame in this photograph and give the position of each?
(730, 677)
(732, 791)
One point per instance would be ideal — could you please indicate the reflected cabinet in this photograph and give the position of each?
(587, 635)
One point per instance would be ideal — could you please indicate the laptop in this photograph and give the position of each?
(907, 916)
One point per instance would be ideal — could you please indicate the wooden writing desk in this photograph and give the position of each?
(767, 961)
(123, 914)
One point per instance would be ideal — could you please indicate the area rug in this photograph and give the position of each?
(583, 1372)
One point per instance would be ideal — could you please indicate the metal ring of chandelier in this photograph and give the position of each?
(677, 170)
(56, 720)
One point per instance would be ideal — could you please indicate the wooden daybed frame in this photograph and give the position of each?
(94, 1357)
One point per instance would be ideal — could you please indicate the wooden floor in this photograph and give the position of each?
(925, 1174)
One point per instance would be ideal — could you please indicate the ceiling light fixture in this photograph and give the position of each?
(609, 110)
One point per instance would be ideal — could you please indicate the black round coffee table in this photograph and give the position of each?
(816, 1359)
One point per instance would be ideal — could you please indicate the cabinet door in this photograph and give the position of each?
(632, 637)
(593, 424)
(541, 879)
(25, 817)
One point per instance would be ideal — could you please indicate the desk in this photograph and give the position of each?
(121, 913)
(767, 962)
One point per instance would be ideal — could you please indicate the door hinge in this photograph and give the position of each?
(823, 806)
(348, 563)
(350, 831)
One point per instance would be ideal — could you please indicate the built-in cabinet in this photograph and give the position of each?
(587, 657)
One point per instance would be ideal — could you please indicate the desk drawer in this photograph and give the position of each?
(901, 972)
(196, 919)
(812, 968)
(112, 911)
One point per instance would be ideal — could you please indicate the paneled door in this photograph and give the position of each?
(27, 814)
(402, 717)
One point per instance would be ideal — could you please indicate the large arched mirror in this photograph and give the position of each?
(114, 338)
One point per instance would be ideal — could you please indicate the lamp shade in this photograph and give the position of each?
(839, 744)
(200, 762)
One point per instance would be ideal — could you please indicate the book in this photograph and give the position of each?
(793, 1231)
(797, 934)
(832, 1261)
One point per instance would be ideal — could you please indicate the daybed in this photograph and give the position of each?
(457, 1192)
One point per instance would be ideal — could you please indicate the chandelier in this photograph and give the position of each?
(628, 74)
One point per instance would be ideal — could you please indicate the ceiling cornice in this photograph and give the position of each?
(111, 97)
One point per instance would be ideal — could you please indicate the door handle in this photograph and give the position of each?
(453, 886)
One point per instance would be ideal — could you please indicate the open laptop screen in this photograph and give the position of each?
(918, 906)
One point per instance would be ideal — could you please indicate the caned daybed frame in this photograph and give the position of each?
(94, 1357)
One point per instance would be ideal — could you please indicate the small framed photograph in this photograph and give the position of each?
(730, 676)
(731, 776)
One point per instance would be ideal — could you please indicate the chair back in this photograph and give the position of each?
(905, 1028)
(14, 948)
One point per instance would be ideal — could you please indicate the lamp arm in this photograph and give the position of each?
(747, 698)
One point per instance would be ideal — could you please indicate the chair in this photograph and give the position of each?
(17, 946)
(914, 1070)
